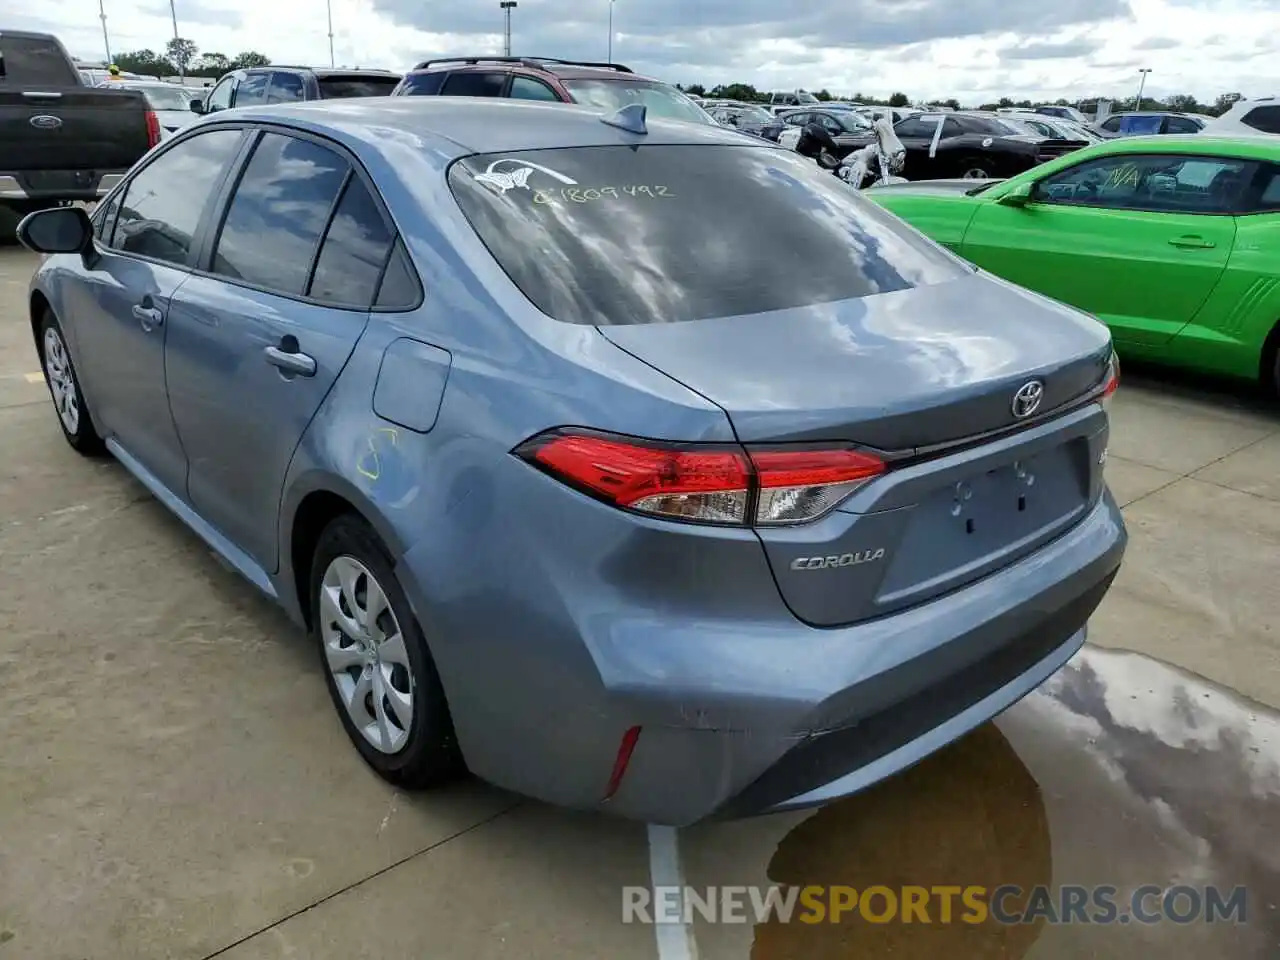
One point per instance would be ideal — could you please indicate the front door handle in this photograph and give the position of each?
(1191, 242)
(288, 358)
(149, 317)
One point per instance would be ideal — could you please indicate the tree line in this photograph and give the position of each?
(1179, 103)
(183, 56)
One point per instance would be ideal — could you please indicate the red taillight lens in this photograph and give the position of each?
(153, 128)
(713, 483)
(710, 485)
(1111, 384)
(801, 485)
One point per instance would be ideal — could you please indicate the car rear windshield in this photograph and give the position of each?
(34, 60)
(665, 233)
(165, 97)
(659, 99)
(336, 88)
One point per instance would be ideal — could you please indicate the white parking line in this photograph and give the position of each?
(33, 377)
(675, 940)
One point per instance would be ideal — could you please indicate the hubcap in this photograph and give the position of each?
(975, 173)
(62, 382)
(365, 650)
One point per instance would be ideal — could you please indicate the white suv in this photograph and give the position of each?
(1259, 115)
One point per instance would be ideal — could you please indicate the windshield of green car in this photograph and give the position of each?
(659, 99)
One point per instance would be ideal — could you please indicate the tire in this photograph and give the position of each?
(974, 168)
(64, 389)
(416, 751)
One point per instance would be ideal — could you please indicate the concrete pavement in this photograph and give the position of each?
(175, 784)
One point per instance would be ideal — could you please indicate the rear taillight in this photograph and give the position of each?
(153, 129)
(1111, 383)
(705, 483)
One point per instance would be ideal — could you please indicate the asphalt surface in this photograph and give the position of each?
(174, 782)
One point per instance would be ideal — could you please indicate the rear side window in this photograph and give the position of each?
(1266, 119)
(280, 208)
(286, 88)
(163, 203)
(526, 88)
(35, 60)
(1182, 125)
(1269, 200)
(400, 288)
(341, 88)
(354, 251)
(422, 84)
(653, 234)
(1111, 124)
(472, 83)
(252, 89)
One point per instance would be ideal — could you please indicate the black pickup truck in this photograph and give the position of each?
(61, 141)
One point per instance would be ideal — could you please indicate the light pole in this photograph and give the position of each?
(1141, 83)
(106, 42)
(328, 7)
(174, 14)
(610, 58)
(507, 6)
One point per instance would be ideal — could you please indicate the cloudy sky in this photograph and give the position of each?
(976, 50)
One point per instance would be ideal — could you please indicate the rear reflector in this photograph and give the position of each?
(625, 749)
(705, 483)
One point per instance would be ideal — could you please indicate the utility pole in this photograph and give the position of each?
(507, 6)
(328, 6)
(610, 31)
(174, 14)
(1141, 83)
(106, 42)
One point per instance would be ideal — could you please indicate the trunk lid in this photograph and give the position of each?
(896, 371)
(927, 376)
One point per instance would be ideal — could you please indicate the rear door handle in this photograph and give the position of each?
(1190, 242)
(290, 360)
(149, 317)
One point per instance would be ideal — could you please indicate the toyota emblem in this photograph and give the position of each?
(1027, 400)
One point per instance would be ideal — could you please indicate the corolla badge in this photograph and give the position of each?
(45, 122)
(518, 178)
(840, 560)
(1027, 400)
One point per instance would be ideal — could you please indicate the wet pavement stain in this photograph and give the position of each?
(1121, 771)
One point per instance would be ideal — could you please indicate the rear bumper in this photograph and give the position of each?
(740, 713)
(84, 185)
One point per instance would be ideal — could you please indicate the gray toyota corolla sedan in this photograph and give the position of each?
(630, 464)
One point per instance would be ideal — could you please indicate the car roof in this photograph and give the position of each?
(458, 126)
(1261, 147)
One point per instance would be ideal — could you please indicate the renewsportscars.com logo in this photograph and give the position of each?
(1066, 904)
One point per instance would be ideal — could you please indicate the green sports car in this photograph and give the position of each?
(1172, 241)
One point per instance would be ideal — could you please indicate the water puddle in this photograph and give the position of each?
(1120, 772)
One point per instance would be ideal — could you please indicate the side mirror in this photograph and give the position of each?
(197, 106)
(57, 230)
(1019, 196)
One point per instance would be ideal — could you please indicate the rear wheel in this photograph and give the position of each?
(64, 388)
(975, 168)
(380, 673)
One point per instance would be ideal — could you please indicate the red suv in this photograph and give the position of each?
(609, 86)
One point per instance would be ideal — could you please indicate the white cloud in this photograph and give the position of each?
(1204, 48)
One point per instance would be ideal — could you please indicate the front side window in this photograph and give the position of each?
(526, 88)
(473, 83)
(354, 250)
(163, 203)
(286, 88)
(659, 99)
(653, 234)
(1158, 182)
(252, 89)
(278, 212)
(220, 97)
(1266, 119)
